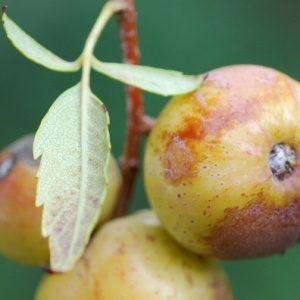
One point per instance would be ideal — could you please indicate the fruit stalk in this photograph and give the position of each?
(134, 107)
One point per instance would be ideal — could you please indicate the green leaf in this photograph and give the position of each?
(34, 51)
(154, 80)
(73, 142)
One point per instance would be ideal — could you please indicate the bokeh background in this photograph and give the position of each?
(192, 36)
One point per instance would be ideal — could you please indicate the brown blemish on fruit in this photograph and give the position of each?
(150, 237)
(189, 280)
(256, 230)
(121, 249)
(181, 156)
(179, 160)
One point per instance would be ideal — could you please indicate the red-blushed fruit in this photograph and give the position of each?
(222, 165)
(20, 219)
(133, 258)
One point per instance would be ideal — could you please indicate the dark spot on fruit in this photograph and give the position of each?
(150, 237)
(189, 280)
(121, 249)
(256, 230)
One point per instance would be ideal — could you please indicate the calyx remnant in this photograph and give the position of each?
(282, 159)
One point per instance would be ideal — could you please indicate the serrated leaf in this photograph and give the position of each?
(34, 51)
(154, 80)
(73, 142)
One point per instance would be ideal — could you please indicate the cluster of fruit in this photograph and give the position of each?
(222, 175)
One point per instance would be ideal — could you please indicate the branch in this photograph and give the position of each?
(134, 105)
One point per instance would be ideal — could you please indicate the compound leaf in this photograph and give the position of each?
(73, 142)
(154, 80)
(34, 51)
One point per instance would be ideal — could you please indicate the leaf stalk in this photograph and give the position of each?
(108, 10)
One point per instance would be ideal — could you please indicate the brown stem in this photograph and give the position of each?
(134, 106)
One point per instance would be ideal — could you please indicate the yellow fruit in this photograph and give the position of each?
(222, 165)
(133, 258)
(20, 219)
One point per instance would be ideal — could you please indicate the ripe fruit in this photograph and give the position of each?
(222, 164)
(134, 258)
(20, 219)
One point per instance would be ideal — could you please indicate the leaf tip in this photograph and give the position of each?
(3, 9)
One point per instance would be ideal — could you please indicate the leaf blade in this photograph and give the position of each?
(154, 80)
(35, 51)
(72, 178)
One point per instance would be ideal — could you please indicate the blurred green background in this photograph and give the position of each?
(192, 36)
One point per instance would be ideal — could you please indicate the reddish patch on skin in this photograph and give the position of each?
(192, 128)
(233, 95)
(256, 230)
(214, 117)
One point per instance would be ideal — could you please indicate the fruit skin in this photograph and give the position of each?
(20, 219)
(20, 232)
(134, 258)
(206, 166)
